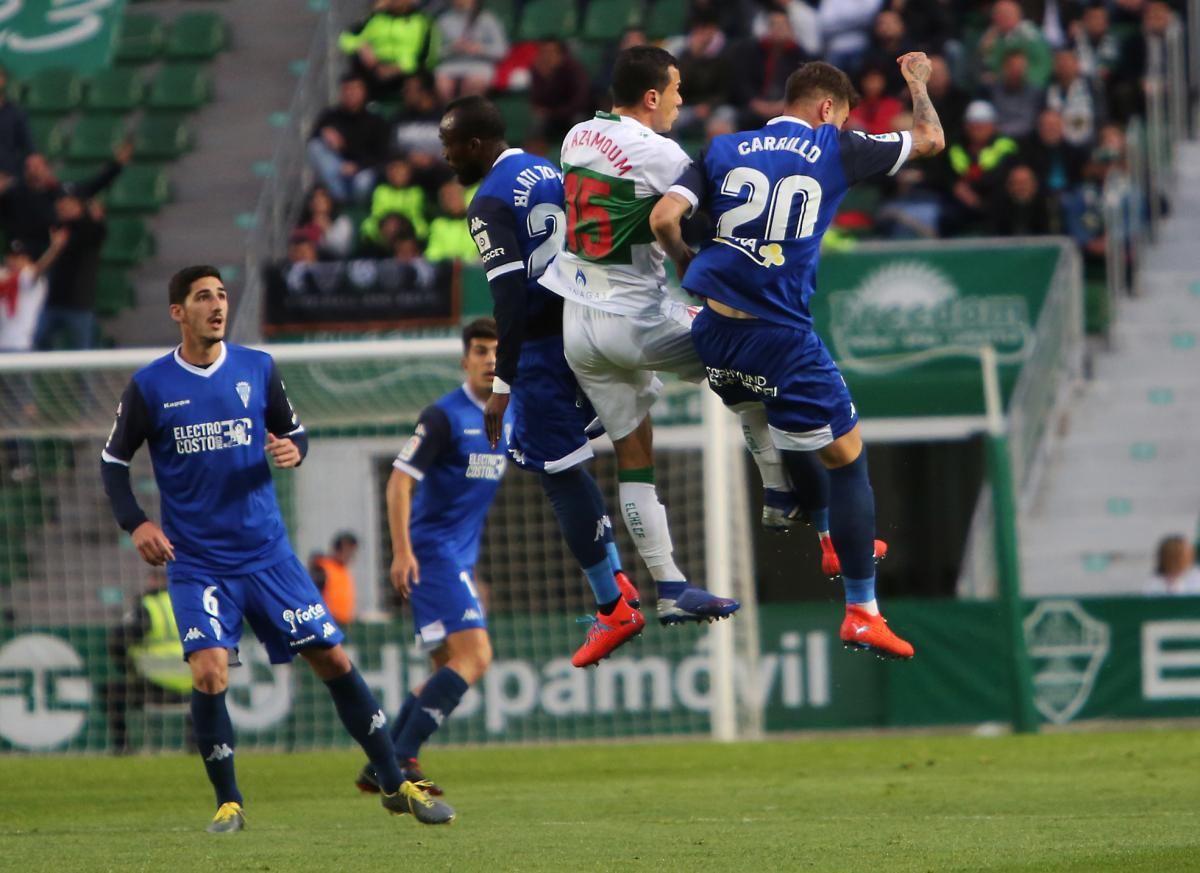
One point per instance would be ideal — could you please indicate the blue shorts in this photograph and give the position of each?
(550, 412)
(281, 603)
(445, 602)
(787, 370)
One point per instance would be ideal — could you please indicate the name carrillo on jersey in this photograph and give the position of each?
(212, 436)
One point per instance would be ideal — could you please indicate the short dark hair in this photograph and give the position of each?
(476, 118)
(345, 538)
(819, 79)
(181, 283)
(639, 69)
(480, 328)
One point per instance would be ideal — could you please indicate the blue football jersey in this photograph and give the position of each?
(516, 219)
(771, 194)
(207, 431)
(459, 472)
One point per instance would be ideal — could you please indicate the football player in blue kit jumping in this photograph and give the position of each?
(213, 414)
(772, 194)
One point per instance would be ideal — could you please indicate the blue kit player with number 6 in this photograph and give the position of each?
(213, 414)
(772, 194)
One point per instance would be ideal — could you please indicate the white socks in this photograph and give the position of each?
(646, 521)
(758, 440)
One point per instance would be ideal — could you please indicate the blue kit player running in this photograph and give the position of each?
(516, 219)
(772, 193)
(435, 543)
(213, 414)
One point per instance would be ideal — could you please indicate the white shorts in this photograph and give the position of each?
(615, 358)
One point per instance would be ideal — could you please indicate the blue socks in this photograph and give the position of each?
(441, 694)
(214, 737)
(402, 717)
(852, 526)
(811, 486)
(364, 720)
(579, 508)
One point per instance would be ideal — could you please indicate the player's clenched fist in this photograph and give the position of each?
(284, 453)
(152, 544)
(915, 66)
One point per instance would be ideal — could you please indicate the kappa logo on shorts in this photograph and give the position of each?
(471, 614)
(328, 630)
(194, 633)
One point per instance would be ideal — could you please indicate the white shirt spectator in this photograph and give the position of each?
(846, 26)
(1186, 584)
(19, 318)
(805, 26)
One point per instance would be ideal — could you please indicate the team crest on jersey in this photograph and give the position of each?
(243, 391)
(765, 255)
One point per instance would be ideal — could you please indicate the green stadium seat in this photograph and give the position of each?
(161, 138)
(139, 188)
(114, 90)
(127, 243)
(95, 137)
(666, 18)
(140, 39)
(591, 54)
(53, 92)
(541, 19)
(179, 87)
(114, 291)
(77, 172)
(506, 11)
(196, 36)
(606, 21)
(49, 135)
(517, 121)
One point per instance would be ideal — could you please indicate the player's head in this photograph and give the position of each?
(199, 303)
(820, 93)
(645, 84)
(472, 135)
(480, 339)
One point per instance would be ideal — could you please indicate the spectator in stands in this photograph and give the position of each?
(1083, 206)
(23, 290)
(1016, 101)
(302, 246)
(630, 37)
(806, 26)
(395, 41)
(321, 221)
(1021, 207)
(1143, 54)
(1175, 570)
(1057, 164)
(877, 110)
(703, 57)
(560, 92)
(347, 142)
(16, 143)
(69, 316)
(972, 168)
(1011, 31)
(393, 227)
(913, 212)
(1074, 97)
(397, 195)
(27, 205)
(926, 24)
(406, 247)
(950, 100)
(416, 124)
(449, 236)
(472, 41)
(761, 73)
(148, 663)
(333, 578)
(846, 29)
(1097, 47)
(889, 40)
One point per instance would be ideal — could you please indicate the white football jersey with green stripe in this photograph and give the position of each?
(614, 170)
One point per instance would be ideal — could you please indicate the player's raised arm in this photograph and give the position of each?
(927, 136)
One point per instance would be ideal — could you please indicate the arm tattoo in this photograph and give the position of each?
(927, 127)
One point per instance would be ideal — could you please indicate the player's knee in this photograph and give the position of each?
(473, 661)
(210, 670)
(328, 663)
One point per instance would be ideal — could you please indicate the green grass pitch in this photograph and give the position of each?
(933, 804)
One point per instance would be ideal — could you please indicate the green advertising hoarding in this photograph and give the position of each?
(1092, 658)
(73, 34)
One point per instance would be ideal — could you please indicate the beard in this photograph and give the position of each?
(468, 176)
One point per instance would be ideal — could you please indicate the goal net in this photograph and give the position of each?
(68, 575)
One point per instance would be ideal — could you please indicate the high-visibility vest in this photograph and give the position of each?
(989, 157)
(159, 655)
(339, 589)
(395, 39)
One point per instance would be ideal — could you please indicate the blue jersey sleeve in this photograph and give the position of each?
(692, 186)
(132, 427)
(429, 442)
(281, 417)
(494, 229)
(866, 155)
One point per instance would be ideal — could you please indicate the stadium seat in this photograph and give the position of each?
(591, 54)
(506, 11)
(517, 121)
(179, 86)
(160, 138)
(114, 291)
(77, 172)
(95, 137)
(53, 92)
(140, 39)
(541, 19)
(139, 189)
(606, 21)
(127, 243)
(115, 90)
(666, 18)
(49, 135)
(477, 295)
(196, 36)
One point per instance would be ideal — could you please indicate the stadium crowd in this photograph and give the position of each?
(1036, 98)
